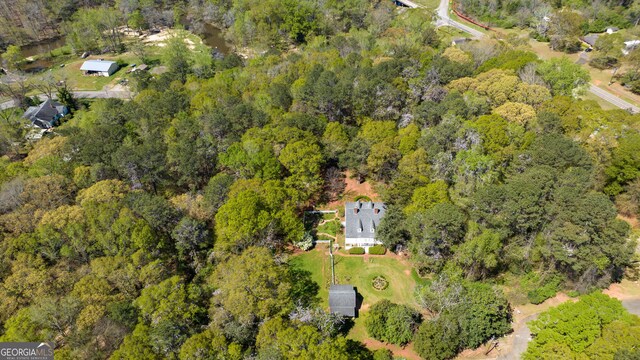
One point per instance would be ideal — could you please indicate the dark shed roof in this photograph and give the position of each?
(591, 39)
(45, 114)
(342, 300)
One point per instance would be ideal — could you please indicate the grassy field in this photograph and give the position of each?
(448, 33)
(357, 271)
(428, 4)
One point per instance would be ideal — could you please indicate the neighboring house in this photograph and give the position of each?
(630, 45)
(47, 114)
(612, 29)
(590, 39)
(342, 300)
(99, 67)
(362, 220)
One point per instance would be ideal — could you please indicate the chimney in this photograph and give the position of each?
(376, 211)
(355, 210)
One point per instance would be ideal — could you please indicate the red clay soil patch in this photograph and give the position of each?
(407, 272)
(403, 352)
(352, 189)
(479, 353)
(355, 188)
(616, 291)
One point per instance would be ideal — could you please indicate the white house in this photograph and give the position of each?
(361, 222)
(99, 67)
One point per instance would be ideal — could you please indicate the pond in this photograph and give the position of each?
(212, 37)
(42, 46)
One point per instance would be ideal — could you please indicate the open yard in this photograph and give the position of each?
(359, 271)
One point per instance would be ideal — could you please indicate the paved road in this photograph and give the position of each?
(444, 19)
(101, 94)
(607, 96)
(522, 336)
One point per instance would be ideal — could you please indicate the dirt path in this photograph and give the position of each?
(398, 351)
(513, 345)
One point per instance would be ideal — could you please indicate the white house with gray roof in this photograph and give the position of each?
(99, 67)
(361, 222)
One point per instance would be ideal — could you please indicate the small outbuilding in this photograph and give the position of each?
(47, 114)
(612, 29)
(590, 39)
(342, 300)
(99, 67)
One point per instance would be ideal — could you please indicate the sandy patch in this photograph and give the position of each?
(160, 38)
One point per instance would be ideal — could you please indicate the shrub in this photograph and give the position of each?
(604, 62)
(380, 283)
(392, 323)
(382, 354)
(121, 63)
(306, 243)
(438, 339)
(356, 251)
(364, 198)
(377, 250)
(544, 292)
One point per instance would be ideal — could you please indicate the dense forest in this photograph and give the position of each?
(162, 226)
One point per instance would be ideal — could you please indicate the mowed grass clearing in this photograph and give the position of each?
(359, 271)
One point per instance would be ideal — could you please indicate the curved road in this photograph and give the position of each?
(98, 94)
(444, 19)
(522, 335)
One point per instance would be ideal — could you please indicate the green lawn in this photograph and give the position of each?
(318, 265)
(355, 271)
(329, 216)
(331, 227)
(428, 4)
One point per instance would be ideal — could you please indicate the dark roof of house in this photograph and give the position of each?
(46, 112)
(97, 65)
(590, 39)
(342, 300)
(362, 219)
